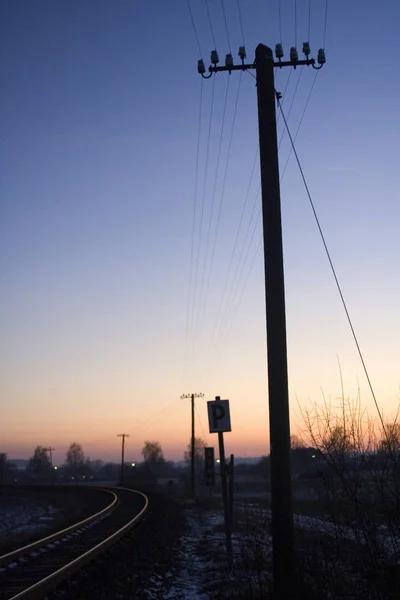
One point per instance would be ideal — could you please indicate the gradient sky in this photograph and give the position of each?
(99, 120)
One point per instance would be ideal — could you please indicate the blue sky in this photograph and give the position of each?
(99, 117)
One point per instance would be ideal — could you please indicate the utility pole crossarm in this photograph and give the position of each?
(279, 64)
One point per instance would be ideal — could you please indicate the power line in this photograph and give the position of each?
(201, 424)
(300, 122)
(226, 26)
(222, 296)
(219, 323)
(222, 192)
(291, 104)
(213, 202)
(211, 25)
(332, 268)
(197, 260)
(196, 35)
(187, 335)
(241, 265)
(326, 20)
(241, 21)
(280, 21)
(204, 198)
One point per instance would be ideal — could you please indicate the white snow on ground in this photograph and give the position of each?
(389, 541)
(23, 518)
(196, 569)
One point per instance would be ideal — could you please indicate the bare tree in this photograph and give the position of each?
(296, 442)
(75, 458)
(40, 464)
(153, 453)
(360, 493)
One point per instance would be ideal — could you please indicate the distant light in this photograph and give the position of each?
(313, 456)
(133, 464)
(55, 468)
(83, 476)
(218, 460)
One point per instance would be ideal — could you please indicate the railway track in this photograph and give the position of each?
(30, 572)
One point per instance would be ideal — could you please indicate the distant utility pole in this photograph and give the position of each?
(3, 457)
(281, 484)
(51, 450)
(123, 436)
(192, 442)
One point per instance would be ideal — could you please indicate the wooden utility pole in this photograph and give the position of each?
(50, 450)
(279, 424)
(192, 442)
(123, 436)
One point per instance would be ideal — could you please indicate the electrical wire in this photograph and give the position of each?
(326, 21)
(202, 204)
(300, 122)
(211, 25)
(196, 180)
(201, 303)
(240, 267)
(291, 105)
(241, 21)
(222, 296)
(201, 424)
(241, 264)
(280, 21)
(228, 331)
(226, 26)
(196, 35)
(332, 268)
(222, 192)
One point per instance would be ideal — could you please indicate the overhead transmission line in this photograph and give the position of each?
(213, 198)
(241, 22)
(200, 233)
(196, 180)
(219, 323)
(326, 21)
(300, 122)
(214, 243)
(196, 35)
(210, 24)
(245, 251)
(332, 267)
(280, 21)
(222, 296)
(226, 26)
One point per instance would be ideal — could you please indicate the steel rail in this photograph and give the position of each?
(48, 583)
(5, 558)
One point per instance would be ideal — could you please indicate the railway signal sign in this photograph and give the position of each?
(219, 418)
(209, 461)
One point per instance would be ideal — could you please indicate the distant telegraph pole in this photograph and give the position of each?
(123, 436)
(192, 441)
(281, 485)
(51, 450)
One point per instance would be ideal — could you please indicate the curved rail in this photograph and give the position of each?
(40, 588)
(5, 558)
